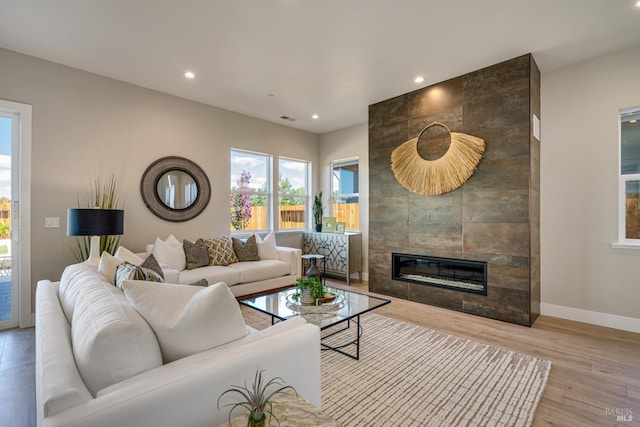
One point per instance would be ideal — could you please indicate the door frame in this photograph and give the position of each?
(21, 211)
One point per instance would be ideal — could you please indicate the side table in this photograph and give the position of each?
(313, 258)
(292, 412)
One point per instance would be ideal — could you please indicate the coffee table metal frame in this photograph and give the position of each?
(276, 305)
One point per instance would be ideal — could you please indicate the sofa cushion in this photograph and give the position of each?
(187, 319)
(260, 270)
(169, 253)
(221, 251)
(73, 277)
(111, 341)
(212, 273)
(267, 248)
(246, 250)
(196, 254)
(59, 385)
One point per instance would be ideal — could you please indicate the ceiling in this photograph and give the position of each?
(333, 58)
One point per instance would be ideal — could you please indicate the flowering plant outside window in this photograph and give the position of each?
(241, 202)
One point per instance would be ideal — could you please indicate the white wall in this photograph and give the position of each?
(86, 126)
(343, 144)
(582, 276)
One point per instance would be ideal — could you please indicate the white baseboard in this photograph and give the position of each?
(624, 323)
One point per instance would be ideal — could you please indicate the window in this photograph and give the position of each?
(250, 190)
(345, 193)
(293, 194)
(629, 180)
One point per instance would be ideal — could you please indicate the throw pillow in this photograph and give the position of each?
(267, 248)
(202, 282)
(187, 319)
(170, 254)
(221, 251)
(247, 250)
(124, 254)
(197, 254)
(108, 265)
(173, 241)
(127, 271)
(151, 263)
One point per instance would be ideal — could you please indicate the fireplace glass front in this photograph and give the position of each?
(461, 275)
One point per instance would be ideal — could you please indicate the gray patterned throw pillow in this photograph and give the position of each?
(197, 253)
(246, 251)
(128, 271)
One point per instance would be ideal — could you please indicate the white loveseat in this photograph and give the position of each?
(99, 363)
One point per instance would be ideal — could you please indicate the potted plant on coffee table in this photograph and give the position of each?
(257, 399)
(309, 290)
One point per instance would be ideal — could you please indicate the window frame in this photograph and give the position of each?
(623, 178)
(306, 196)
(268, 195)
(332, 198)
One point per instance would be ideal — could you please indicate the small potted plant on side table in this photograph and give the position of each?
(257, 399)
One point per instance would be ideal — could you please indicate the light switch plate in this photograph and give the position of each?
(52, 222)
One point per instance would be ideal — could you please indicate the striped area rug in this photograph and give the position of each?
(411, 376)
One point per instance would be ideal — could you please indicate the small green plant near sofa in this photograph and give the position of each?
(257, 399)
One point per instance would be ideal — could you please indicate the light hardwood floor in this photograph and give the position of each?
(595, 372)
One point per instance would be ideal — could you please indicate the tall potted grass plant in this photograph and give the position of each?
(101, 197)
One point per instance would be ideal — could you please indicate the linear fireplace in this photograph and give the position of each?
(462, 275)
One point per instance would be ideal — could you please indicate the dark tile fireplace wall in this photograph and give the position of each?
(494, 217)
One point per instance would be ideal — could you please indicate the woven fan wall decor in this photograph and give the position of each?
(438, 176)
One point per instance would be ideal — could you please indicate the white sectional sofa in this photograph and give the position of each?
(103, 358)
(277, 267)
(248, 277)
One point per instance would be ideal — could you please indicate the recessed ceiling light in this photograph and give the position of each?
(189, 75)
(419, 79)
(638, 4)
(315, 117)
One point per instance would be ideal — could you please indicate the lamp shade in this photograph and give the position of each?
(95, 222)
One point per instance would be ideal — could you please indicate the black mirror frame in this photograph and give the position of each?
(149, 182)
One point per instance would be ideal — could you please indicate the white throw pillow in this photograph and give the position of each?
(108, 266)
(169, 254)
(267, 248)
(173, 241)
(187, 319)
(124, 254)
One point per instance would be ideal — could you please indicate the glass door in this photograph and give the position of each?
(9, 129)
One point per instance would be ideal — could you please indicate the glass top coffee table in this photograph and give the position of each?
(344, 310)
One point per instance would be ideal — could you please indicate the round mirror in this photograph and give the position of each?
(175, 189)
